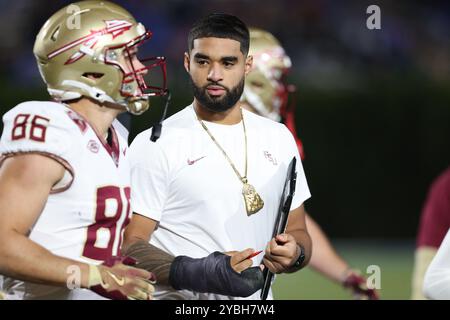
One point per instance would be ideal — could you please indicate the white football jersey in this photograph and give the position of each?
(86, 212)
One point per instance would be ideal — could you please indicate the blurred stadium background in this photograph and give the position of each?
(373, 111)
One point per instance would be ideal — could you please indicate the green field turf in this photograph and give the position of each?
(395, 260)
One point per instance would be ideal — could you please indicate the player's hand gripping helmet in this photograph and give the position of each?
(264, 89)
(89, 49)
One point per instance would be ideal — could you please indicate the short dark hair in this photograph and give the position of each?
(220, 25)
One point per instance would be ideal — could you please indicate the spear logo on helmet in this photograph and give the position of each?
(113, 27)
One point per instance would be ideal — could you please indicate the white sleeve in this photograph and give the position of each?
(437, 278)
(149, 177)
(43, 128)
(302, 192)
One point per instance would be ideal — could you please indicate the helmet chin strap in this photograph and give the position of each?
(254, 100)
(92, 92)
(63, 95)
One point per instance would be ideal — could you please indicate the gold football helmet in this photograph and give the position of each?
(89, 49)
(264, 88)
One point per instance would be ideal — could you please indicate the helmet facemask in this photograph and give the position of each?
(135, 88)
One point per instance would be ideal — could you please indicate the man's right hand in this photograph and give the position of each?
(117, 279)
(240, 260)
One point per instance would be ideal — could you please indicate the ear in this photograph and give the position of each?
(186, 62)
(248, 64)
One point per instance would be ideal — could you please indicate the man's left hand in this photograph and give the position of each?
(281, 253)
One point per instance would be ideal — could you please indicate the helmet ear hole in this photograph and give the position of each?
(55, 34)
(257, 84)
(93, 75)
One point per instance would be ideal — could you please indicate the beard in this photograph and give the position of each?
(218, 104)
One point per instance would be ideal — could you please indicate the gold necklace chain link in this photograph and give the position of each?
(253, 202)
(242, 178)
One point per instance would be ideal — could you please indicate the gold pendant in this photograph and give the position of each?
(253, 202)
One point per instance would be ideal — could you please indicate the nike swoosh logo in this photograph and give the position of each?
(191, 162)
(119, 281)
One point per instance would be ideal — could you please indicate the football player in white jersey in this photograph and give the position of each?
(64, 176)
(214, 180)
(266, 93)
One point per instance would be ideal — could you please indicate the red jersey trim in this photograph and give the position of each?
(114, 149)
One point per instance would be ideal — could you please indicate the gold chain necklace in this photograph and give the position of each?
(253, 202)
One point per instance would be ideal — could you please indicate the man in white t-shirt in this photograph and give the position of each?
(213, 181)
